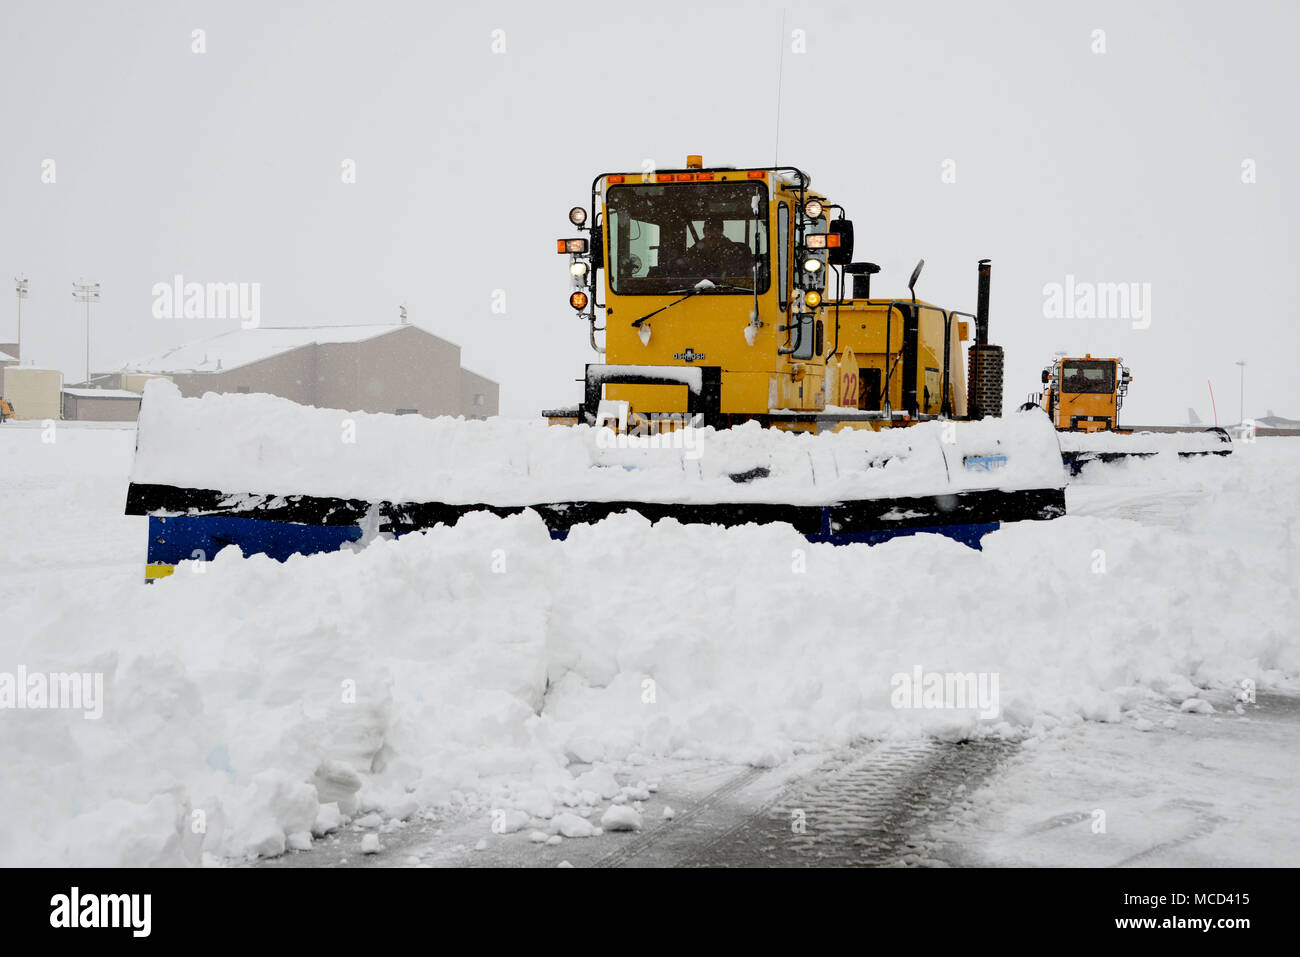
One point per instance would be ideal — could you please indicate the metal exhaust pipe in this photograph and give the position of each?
(982, 304)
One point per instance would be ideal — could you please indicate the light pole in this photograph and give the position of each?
(86, 292)
(22, 294)
(1241, 408)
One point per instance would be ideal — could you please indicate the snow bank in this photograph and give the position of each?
(490, 668)
(268, 445)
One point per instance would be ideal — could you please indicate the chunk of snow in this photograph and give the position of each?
(508, 822)
(328, 818)
(536, 802)
(570, 825)
(620, 818)
(401, 810)
(599, 782)
(337, 783)
(370, 844)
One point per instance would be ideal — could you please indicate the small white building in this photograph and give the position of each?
(101, 405)
(34, 393)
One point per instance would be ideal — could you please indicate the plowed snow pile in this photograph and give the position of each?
(268, 445)
(474, 665)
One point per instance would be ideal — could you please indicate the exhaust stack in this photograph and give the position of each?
(984, 361)
(982, 304)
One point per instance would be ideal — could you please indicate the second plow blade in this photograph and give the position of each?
(1080, 448)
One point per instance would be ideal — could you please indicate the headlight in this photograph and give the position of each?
(812, 264)
(578, 300)
(812, 299)
(578, 269)
(577, 215)
(812, 209)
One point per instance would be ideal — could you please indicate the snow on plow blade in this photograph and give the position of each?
(276, 478)
(1080, 448)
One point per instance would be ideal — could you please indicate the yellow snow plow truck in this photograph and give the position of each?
(738, 277)
(1083, 396)
(747, 375)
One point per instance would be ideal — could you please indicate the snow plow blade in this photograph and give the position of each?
(1080, 448)
(276, 478)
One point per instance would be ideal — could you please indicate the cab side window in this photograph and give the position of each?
(783, 253)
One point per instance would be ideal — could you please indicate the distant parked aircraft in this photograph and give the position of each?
(1272, 421)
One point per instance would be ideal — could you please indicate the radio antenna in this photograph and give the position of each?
(780, 67)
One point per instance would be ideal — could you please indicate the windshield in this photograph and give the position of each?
(1084, 375)
(665, 239)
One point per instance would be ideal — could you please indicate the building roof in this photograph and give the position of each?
(101, 393)
(6, 357)
(230, 350)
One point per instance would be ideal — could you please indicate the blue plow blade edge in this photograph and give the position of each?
(177, 538)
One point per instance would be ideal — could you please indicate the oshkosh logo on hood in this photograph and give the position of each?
(690, 355)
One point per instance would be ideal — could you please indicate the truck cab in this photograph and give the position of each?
(1084, 394)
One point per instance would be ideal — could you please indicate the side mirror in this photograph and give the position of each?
(916, 274)
(842, 254)
(1046, 376)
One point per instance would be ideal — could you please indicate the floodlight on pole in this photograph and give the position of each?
(86, 292)
(1241, 408)
(21, 285)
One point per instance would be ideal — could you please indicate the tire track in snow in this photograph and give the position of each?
(863, 810)
(1205, 824)
(685, 819)
(868, 806)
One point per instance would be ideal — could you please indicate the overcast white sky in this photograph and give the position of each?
(1124, 166)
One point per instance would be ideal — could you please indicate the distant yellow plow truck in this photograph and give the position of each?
(1082, 395)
